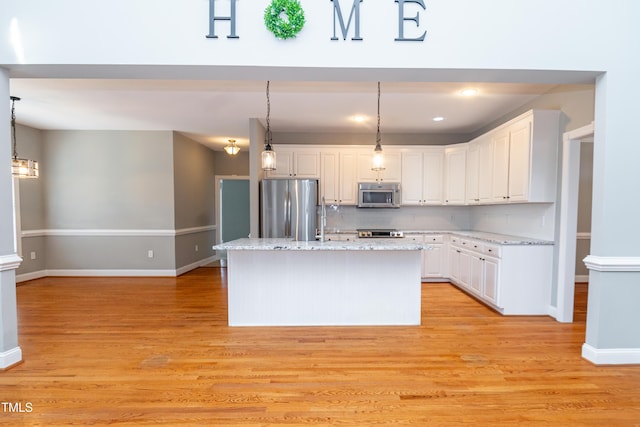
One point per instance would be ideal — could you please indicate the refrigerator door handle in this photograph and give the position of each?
(287, 217)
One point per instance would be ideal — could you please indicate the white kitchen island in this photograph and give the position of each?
(280, 282)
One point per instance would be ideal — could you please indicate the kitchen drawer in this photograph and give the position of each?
(339, 237)
(434, 238)
(492, 250)
(466, 243)
(475, 245)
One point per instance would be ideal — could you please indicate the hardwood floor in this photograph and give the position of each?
(157, 351)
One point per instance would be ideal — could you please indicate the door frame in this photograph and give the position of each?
(568, 224)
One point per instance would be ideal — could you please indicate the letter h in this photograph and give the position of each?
(213, 18)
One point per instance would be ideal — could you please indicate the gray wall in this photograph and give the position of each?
(194, 194)
(32, 206)
(32, 201)
(109, 180)
(107, 198)
(193, 172)
(232, 165)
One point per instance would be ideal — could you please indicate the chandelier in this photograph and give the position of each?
(22, 168)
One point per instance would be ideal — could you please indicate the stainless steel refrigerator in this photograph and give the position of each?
(288, 208)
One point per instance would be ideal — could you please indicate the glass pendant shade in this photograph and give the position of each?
(25, 168)
(268, 159)
(378, 159)
(232, 149)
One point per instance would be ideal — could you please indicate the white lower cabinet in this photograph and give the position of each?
(434, 259)
(490, 280)
(513, 279)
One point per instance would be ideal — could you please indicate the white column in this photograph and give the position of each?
(10, 352)
(613, 312)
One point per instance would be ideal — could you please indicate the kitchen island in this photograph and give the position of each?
(281, 282)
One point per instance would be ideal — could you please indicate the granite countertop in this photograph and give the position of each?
(292, 245)
(500, 239)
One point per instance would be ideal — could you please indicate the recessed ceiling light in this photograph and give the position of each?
(469, 92)
(438, 119)
(359, 119)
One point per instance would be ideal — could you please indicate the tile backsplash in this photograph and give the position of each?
(526, 220)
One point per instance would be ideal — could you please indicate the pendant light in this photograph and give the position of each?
(268, 155)
(378, 158)
(22, 168)
(232, 149)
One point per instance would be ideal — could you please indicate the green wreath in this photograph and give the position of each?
(280, 27)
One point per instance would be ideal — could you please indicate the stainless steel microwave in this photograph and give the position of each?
(378, 195)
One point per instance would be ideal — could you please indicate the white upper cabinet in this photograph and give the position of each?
(485, 169)
(500, 186)
(525, 153)
(296, 163)
(348, 184)
(422, 176)
(455, 174)
(519, 156)
(338, 177)
(329, 177)
(514, 163)
(392, 166)
(473, 166)
(479, 171)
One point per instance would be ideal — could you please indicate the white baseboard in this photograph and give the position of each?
(195, 265)
(31, 276)
(611, 356)
(553, 312)
(10, 358)
(113, 273)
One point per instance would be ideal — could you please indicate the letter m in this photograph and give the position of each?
(353, 15)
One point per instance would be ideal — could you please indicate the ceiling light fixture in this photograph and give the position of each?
(232, 149)
(438, 119)
(378, 158)
(268, 155)
(469, 92)
(22, 168)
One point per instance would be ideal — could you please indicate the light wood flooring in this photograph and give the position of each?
(157, 351)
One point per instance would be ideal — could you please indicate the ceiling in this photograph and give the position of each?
(213, 111)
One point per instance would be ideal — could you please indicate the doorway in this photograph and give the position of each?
(233, 213)
(568, 229)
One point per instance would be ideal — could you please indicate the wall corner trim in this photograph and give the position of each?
(611, 356)
(10, 262)
(612, 264)
(10, 358)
